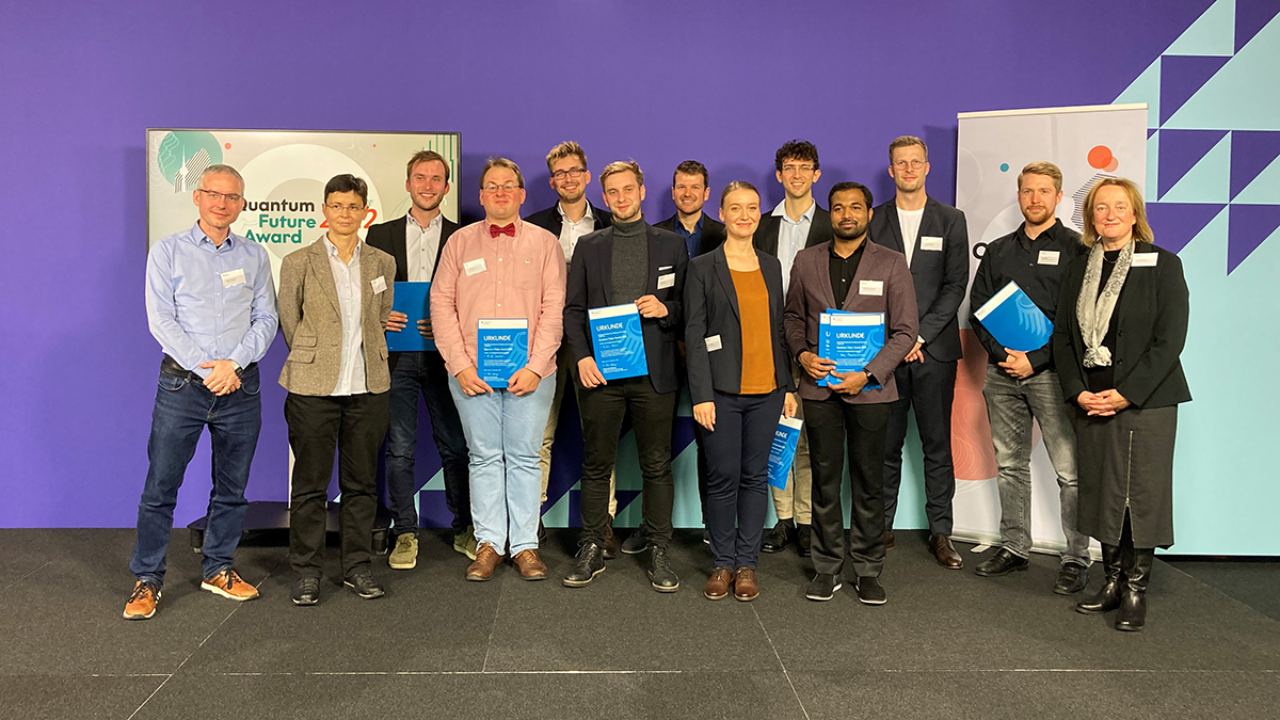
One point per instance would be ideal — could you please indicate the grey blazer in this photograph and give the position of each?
(311, 320)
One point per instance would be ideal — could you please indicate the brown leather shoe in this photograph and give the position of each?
(744, 585)
(719, 585)
(941, 548)
(530, 565)
(229, 585)
(487, 560)
(143, 601)
(888, 540)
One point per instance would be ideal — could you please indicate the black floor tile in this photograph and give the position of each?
(1254, 583)
(42, 697)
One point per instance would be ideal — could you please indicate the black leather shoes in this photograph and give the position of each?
(870, 591)
(1133, 600)
(306, 591)
(1002, 563)
(661, 576)
(1071, 579)
(944, 552)
(804, 540)
(588, 564)
(610, 543)
(1108, 597)
(822, 587)
(365, 586)
(776, 539)
(636, 543)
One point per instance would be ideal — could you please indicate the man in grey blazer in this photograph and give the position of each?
(335, 299)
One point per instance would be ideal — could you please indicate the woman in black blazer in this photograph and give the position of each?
(1121, 325)
(740, 382)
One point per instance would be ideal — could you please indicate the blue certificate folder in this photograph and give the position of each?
(850, 339)
(1014, 321)
(618, 341)
(412, 299)
(502, 347)
(785, 440)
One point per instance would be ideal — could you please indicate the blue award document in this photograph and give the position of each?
(412, 299)
(785, 440)
(502, 348)
(618, 341)
(1014, 321)
(851, 340)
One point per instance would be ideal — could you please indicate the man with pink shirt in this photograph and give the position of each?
(501, 268)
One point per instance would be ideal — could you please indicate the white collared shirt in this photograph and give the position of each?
(792, 237)
(346, 279)
(571, 232)
(421, 245)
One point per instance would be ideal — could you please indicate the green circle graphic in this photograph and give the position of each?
(192, 149)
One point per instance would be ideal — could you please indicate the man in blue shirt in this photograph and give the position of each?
(212, 306)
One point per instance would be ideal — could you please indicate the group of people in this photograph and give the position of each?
(730, 309)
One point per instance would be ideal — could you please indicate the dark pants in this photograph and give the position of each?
(930, 387)
(415, 373)
(354, 425)
(183, 409)
(652, 418)
(738, 475)
(833, 425)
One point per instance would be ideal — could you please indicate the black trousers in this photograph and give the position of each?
(930, 388)
(832, 425)
(652, 418)
(738, 463)
(354, 426)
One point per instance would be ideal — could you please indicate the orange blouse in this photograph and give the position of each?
(757, 333)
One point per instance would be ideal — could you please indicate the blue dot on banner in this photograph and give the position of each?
(1004, 167)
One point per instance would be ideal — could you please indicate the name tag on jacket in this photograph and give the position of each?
(713, 343)
(871, 287)
(1145, 259)
(930, 243)
(666, 281)
(1048, 257)
(472, 267)
(379, 285)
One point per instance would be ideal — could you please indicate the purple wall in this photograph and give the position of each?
(723, 82)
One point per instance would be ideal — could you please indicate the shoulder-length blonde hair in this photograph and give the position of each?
(1141, 230)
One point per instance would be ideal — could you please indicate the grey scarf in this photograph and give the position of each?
(1094, 310)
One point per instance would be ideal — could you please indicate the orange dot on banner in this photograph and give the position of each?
(1111, 166)
(1100, 157)
(227, 146)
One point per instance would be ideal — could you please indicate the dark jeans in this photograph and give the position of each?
(354, 425)
(930, 387)
(738, 475)
(832, 425)
(652, 418)
(415, 373)
(183, 408)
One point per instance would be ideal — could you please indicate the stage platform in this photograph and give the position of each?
(947, 645)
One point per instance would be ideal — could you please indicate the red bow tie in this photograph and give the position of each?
(495, 231)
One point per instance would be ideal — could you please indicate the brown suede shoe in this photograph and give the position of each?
(719, 585)
(530, 565)
(744, 585)
(142, 601)
(486, 560)
(941, 548)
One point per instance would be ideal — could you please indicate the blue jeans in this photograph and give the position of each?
(1011, 404)
(504, 435)
(184, 407)
(414, 373)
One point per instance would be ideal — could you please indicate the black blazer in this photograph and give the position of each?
(940, 278)
(550, 220)
(590, 285)
(389, 238)
(713, 233)
(1151, 328)
(711, 309)
(766, 237)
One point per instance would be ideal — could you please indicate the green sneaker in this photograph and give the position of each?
(465, 542)
(405, 554)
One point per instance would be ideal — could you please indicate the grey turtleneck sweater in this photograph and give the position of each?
(630, 272)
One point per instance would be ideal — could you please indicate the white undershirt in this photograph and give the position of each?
(909, 223)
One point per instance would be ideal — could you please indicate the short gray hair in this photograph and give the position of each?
(220, 169)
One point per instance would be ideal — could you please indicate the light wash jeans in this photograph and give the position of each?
(504, 435)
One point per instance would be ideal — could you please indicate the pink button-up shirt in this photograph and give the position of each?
(484, 277)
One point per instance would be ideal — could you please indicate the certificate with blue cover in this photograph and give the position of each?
(786, 437)
(851, 339)
(502, 348)
(414, 300)
(1014, 321)
(618, 341)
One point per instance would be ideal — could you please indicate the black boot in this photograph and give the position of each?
(1108, 598)
(1133, 601)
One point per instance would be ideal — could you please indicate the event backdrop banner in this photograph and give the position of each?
(1087, 143)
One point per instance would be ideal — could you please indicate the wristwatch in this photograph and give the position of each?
(236, 366)
(871, 379)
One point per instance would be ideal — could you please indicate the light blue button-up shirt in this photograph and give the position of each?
(207, 303)
(792, 237)
(346, 279)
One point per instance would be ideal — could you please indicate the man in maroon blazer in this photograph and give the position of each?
(848, 273)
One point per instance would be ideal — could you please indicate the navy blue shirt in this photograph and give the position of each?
(691, 239)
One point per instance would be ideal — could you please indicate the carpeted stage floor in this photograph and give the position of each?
(947, 645)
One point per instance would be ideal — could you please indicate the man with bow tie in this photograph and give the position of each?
(501, 269)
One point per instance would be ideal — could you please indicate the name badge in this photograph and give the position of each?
(473, 266)
(713, 343)
(666, 281)
(930, 243)
(379, 284)
(1048, 257)
(1144, 259)
(871, 287)
(231, 278)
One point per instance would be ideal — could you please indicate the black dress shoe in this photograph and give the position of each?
(1071, 579)
(636, 543)
(661, 576)
(306, 591)
(804, 540)
(1002, 563)
(889, 541)
(588, 564)
(706, 536)
(365, 586)
(823, 587)
(870, 592)
(776, 539)
(610, 543)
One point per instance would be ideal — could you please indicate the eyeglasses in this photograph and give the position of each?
(913, 164)
(493, 188)
(339, 209)
(232, 198)
(574, 173)
(793, 169)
